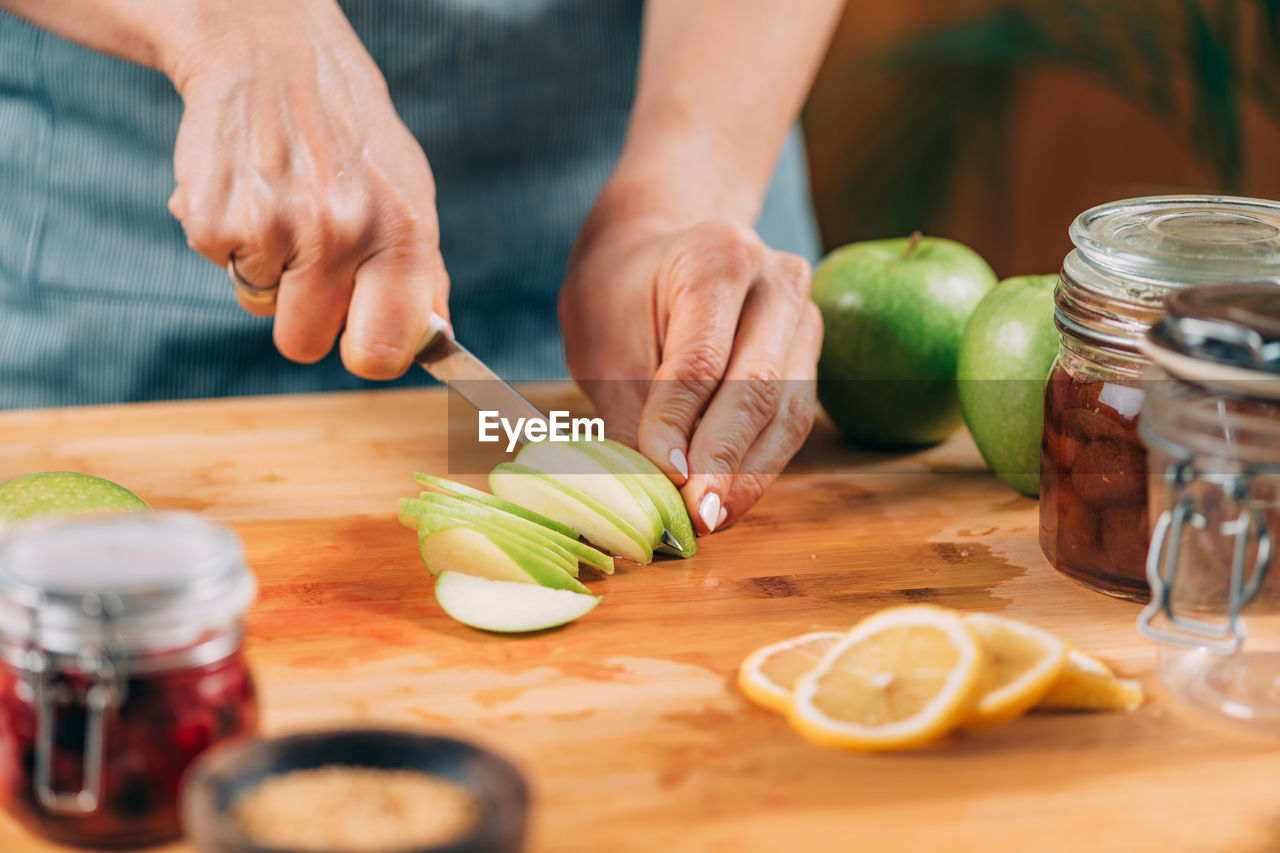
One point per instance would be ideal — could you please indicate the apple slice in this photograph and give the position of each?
(506, 607)
(452, 510)
(572, 465)
(572, 548)
(664, 494)
(62, 493)
(478, 515)
(430, 518)
(554, 499)
(461, 490)
(487, 554)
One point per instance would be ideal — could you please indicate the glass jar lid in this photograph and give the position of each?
(136, 584)
(1224, 338)
(1183, 240)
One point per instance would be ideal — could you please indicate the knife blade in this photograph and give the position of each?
(454, 365)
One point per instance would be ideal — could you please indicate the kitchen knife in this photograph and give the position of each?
(451, 363)
(454, 365)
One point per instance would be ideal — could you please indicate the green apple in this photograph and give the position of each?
(894, 312)
(466, 509)
(506, 607)
(462, 490)
(62, 493)
(553, 498)
(1008, 350)
(577, 467)
(664, 494)
(486, 553)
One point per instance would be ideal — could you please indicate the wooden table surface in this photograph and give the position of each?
(628, 722)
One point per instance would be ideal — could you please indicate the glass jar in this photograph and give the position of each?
(1212, 424)
(120, 662)
(1129, 257)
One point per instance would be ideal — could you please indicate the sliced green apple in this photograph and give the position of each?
(430, 517)
(555, 499)
(573, 548)
(572, 465)
(664, 494)
(461, 490)
(486, 554)
(563, 549)
(506, 607)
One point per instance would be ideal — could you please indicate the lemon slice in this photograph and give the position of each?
(768, 674)
(1088, 684)
(901, 678)
(1023, 662)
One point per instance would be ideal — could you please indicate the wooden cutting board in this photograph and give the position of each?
(628, 722)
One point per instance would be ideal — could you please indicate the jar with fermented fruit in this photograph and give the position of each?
(120, 663)
(1129, 257)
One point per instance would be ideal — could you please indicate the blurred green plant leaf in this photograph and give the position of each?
(1215, 118)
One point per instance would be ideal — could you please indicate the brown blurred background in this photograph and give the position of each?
(995, 122)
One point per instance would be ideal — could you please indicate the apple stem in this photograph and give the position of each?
(911, 244)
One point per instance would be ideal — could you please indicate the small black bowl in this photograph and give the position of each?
(227, 771)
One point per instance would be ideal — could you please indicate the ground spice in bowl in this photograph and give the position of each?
(348, 809)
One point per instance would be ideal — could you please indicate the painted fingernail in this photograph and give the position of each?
(709, 509)
(724, 513)
(676, 456)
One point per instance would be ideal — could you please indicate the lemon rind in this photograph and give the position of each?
(1117, 694)
(757, 686)
(1016, 698)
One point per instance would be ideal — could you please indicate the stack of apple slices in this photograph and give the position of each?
(509, 561)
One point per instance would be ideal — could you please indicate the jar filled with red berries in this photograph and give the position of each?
(120, 662)
(1129, 257)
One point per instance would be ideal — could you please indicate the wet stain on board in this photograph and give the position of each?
(592, 670)
(701, 743)
(953, 554)
(962, 575)
(775, 586)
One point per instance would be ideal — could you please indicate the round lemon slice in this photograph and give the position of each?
(1023, 662)
(901, 678)
(768, 674)
(1088, 684)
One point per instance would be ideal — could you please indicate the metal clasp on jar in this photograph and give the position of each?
(1248, 529)
(106, 690)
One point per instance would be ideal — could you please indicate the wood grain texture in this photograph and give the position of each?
(628, 722)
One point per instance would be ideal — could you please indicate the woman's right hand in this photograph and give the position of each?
(291, 159)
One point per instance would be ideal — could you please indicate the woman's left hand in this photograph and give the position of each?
(698, 345)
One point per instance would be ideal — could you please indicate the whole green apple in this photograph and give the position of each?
(1005, 357)
(48, 493)
(894, 313)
